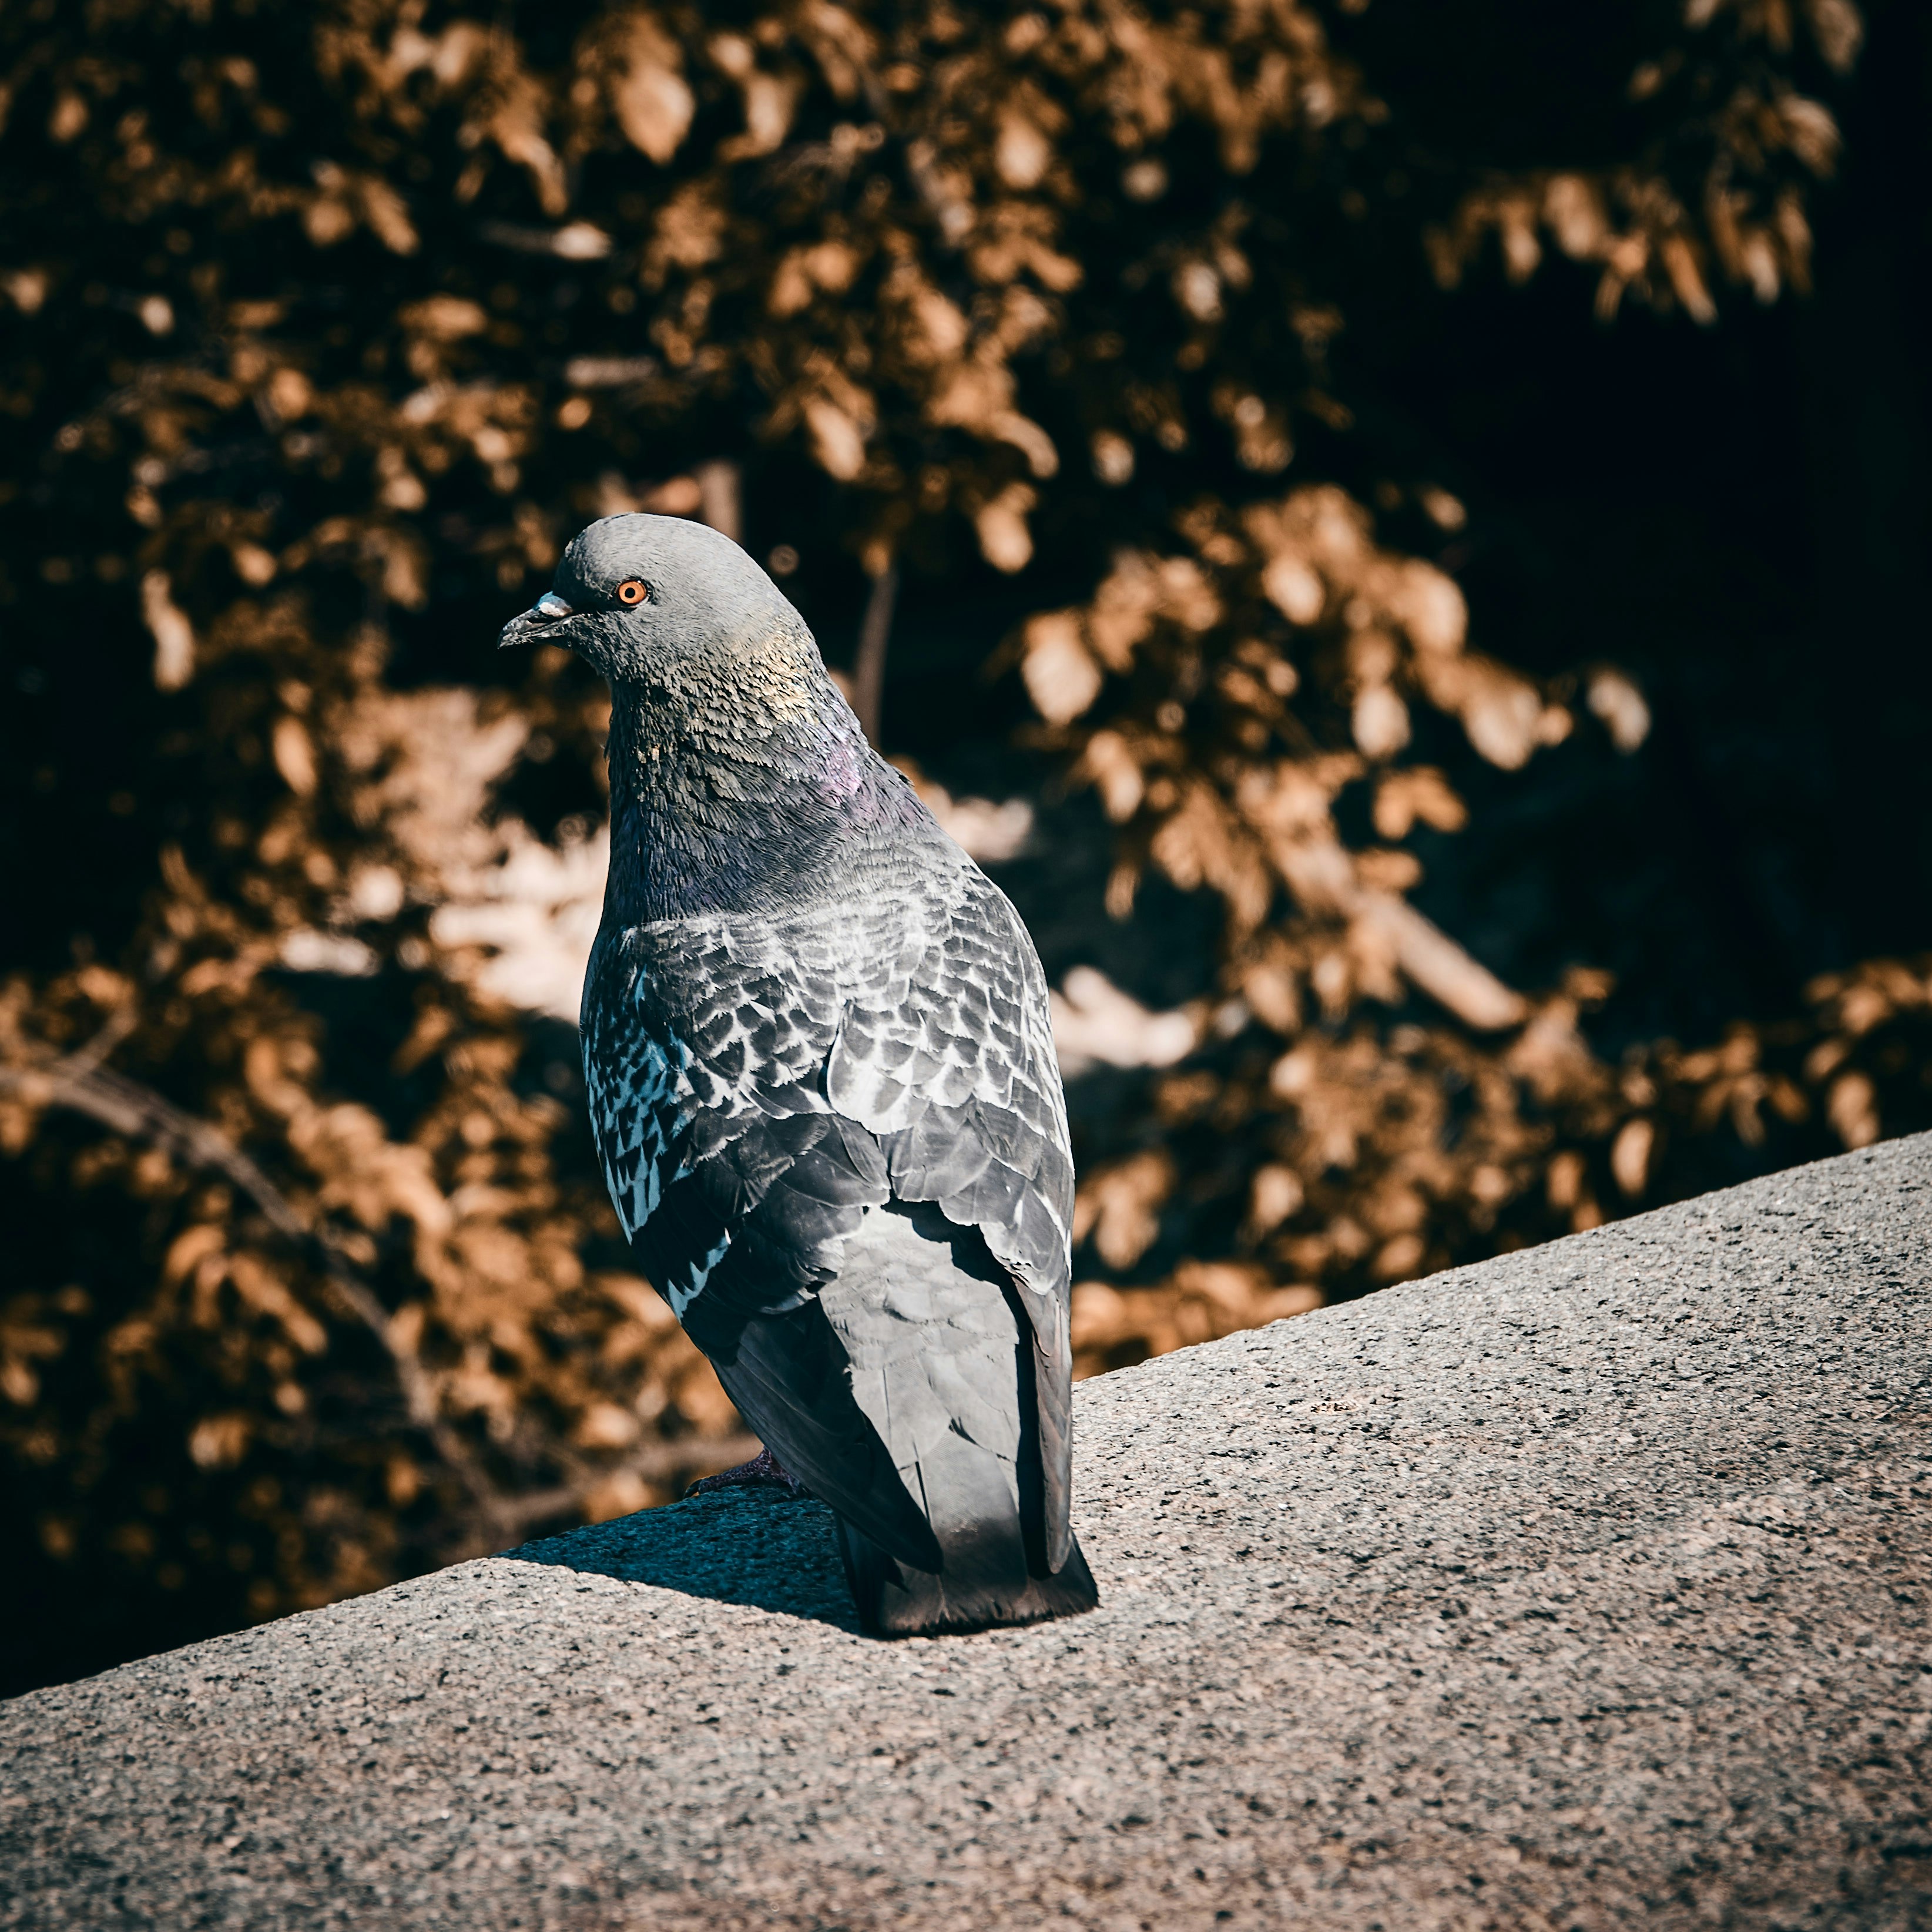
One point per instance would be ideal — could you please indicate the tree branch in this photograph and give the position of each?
(81, 1085)
(869, 664)
(652, 1463)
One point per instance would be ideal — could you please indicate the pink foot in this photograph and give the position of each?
(763, 1470)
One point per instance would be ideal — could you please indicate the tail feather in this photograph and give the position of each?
(977, 1589)
(942, 1365)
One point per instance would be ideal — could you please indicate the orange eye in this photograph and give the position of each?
(632, 590)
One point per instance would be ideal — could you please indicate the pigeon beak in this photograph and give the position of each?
(550, 609)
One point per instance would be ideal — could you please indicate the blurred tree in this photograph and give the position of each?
(328, 324)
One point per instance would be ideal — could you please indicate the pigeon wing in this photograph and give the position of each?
(732, 1178)
(755, 1086)
(956, 1076)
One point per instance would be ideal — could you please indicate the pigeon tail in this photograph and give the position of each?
(941, 1364)
(976, 1590)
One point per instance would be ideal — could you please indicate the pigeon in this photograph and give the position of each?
(823, 1092)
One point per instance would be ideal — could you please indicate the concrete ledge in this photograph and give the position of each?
(1584, 1588)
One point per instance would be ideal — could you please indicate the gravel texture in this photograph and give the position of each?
(1584, 1588)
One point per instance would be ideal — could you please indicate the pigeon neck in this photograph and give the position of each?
(740, 781)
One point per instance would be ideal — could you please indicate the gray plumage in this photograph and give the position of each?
(823, 1087)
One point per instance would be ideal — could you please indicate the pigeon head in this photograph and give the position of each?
(635, 594)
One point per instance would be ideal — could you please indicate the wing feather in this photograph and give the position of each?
(757, 1085)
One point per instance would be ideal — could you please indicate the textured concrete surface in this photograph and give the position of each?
(1586, 1587)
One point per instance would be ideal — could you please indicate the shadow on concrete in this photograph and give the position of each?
(759, 1547)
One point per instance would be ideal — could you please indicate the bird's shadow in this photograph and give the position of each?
(758, 1546)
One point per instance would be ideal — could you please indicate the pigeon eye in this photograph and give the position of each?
(633, 590)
